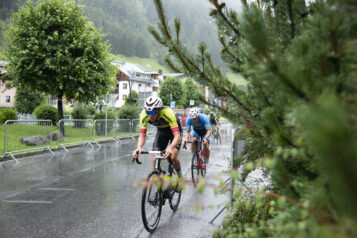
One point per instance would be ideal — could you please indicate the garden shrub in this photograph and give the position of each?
(90, 109)
(79, 113)
(7, 114)
(46, 112)
(131, 112)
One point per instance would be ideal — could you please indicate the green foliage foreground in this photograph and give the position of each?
(298, 112)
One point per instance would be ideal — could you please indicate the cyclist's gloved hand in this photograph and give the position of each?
(184, 144)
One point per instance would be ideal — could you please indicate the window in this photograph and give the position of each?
(7, 98)
(139, 84)
(125, 85)
(137, 75)
(124, 96)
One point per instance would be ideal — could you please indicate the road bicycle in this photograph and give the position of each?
(216, 135)
(198, 166)
(159, 186)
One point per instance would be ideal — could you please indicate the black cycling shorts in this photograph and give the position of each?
(164, 136)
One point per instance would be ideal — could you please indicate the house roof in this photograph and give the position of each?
(141, 80)
(131, 69)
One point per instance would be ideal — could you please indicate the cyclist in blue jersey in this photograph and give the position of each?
(201, 128)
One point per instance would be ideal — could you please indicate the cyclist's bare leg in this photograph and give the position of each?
(207, 153)
(193, 145)
(175, 161)
(153, 161)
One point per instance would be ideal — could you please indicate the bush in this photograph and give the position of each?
(129, 112)
(7, 114)
(46, 112)
(100, 125)
(79, 113)
(90, 109)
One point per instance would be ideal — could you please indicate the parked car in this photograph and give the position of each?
(182, 114)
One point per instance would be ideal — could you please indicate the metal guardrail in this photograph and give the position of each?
(25, 136)
(74, 132)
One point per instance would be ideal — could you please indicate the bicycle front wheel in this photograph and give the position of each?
(195, 169)
(151, 204)
(175, 194)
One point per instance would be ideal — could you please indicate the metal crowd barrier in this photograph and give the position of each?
(103, 130)
(27, 136)
(74, 132)
(23, 135)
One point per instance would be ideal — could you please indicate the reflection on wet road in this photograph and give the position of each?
(90, 193)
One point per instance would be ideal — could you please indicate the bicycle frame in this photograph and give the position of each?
(197, 166)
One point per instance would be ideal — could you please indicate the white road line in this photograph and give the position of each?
(27, 201)
(57, 189)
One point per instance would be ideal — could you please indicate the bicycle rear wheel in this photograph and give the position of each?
(175, 194)
(151, 204)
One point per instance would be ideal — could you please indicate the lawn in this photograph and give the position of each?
(73, 135)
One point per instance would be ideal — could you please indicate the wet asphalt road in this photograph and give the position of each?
(90, 193)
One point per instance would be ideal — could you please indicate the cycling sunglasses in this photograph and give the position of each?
(153, 112)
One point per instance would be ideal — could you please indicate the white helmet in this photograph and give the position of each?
(152, 103)
(194, 112)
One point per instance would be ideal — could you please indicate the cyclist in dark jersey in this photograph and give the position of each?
(169, 131)
(212, 119)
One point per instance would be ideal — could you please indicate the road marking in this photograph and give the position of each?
(57, 189)
(27, 201)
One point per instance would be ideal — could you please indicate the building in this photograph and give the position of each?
(134, 77)
(7, 96)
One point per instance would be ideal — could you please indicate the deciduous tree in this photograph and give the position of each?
(54, 49)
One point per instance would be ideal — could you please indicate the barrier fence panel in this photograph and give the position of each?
(135, 127)
(74, 132)
(123, 128)
(104, 130)
(25, 136)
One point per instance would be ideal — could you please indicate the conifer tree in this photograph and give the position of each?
(299, 111)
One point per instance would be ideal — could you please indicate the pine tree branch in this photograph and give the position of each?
(161, 14)
(267, 60)
(291, 17)
(177, 28)
(219, 8)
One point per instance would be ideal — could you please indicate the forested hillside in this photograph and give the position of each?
(125, 24)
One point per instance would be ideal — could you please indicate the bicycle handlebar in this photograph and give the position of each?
(146, 152)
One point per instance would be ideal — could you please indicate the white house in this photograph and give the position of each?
(7, 96)
(134, 77)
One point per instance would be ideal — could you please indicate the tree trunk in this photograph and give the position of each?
(60, 116)
(60, 108)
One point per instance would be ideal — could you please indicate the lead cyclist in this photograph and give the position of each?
(169, 131)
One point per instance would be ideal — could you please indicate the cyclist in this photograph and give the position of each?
(168, 130)
(212, 120)
(201, 128)
(214, 124)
